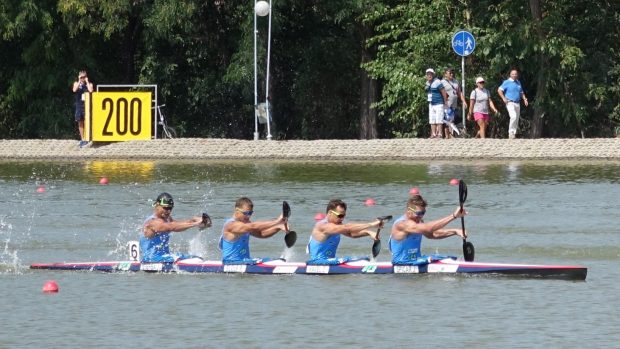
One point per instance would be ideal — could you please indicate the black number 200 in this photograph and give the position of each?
(128, 116)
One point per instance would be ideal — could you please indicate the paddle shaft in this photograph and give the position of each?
(468, 247)
(290, 237)
(376, 245)
(463, 224)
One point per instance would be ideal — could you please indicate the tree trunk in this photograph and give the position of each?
(369, 89)
(536, 130)
(130, 44)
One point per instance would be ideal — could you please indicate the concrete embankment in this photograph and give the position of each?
(318, 150)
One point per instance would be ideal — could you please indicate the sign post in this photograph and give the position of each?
(463, 44)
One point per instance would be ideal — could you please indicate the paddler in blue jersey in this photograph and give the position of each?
(154, 243)
(407, 232)
(236, 232)
(326, 234)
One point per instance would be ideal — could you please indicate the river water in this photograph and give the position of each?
(519, 212)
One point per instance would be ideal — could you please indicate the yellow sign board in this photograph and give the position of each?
(118, 116)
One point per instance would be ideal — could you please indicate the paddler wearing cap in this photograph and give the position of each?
(154, 242)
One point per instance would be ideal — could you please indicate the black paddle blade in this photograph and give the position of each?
(385, 218)
(286, 209)
(206, 220)
(376, 248)
(468, 251)
(290, 238)
(462, 191)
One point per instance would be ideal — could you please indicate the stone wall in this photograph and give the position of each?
(379, 149)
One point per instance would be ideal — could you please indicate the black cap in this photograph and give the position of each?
(164, 200)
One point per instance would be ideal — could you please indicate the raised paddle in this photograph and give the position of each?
(291, 236)
(468, 247)
(376, 245)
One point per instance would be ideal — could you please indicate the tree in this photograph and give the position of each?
(562, 49)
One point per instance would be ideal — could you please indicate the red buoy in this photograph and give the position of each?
(414, 191)
(370, 202)
(454, 181)
(103, 181)
(50, 286)
(41, 189)
(319, 216)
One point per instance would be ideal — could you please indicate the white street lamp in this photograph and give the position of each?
(262, 8)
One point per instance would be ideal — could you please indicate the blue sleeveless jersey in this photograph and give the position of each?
(155, 249)
(235, 251)
(407, 250)
(320, 251)
(323, 250)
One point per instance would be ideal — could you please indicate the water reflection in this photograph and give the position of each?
(532, 212)
(414, 173)
(121, 171)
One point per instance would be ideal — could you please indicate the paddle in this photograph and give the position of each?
(206, 221)
(291, 236)
(468, 247)
(376, 245)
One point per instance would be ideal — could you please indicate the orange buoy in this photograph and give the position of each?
(41, 189)
(50, 286)
(103, 181)
(414, 191)
(454, 181)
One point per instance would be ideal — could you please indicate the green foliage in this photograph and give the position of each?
(200, 54)
(568, 61)
(410, 38)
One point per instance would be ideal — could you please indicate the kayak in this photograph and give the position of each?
(434, 266)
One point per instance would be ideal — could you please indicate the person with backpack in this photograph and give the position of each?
(453, 90)
(479, 103)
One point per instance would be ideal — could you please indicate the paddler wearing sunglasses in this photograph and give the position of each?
(236, 232)
(407, 231)
(325, 236)
(154, 242)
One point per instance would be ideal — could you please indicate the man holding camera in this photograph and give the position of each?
(79, 87)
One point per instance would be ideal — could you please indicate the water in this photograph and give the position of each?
(529, 212)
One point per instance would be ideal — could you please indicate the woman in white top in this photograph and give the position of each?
(479, 103)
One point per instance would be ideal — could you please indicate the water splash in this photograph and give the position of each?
(288, 254)
(120, 251)
(9, 261)
(196, 245)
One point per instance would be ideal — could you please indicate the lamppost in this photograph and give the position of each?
(262, 8)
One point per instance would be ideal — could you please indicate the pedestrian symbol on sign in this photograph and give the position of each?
(463, 43)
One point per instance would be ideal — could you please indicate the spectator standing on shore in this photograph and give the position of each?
(453, 90)
(437, 102)
(79, 87)
(511, 93)
(480, 102)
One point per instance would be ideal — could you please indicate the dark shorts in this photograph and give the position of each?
(79, 115)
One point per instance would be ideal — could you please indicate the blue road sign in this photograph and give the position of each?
(463, 43)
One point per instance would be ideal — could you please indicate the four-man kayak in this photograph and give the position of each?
(439, 266)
